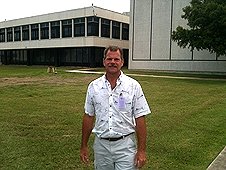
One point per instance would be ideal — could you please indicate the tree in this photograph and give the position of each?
(207, 26)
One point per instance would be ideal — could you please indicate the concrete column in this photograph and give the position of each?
(110, 29)
(49, 30)
(39, 31)
(72, 27)
(60, 29)
(5, 35)
(21, 33)
(13, 33)
(86, 27)
(120, 31)
(29, 29)
(99, 27)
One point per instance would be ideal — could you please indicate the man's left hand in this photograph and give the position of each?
(140, 159)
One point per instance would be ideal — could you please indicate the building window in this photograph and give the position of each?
(93, 26)
(67, 28)
(34, 32)
(9, 34)
(44, 30)
(125, 31)
(79, 27)
(25, 32)
(105, 28)
(115, 29)
(2, 35)
(55, 29)
(17, 34)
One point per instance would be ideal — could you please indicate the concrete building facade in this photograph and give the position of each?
(151, 46)
(74, 37)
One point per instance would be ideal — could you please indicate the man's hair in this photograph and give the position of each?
(113, 48)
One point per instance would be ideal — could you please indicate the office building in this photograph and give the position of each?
(69, 38)
(151, 46)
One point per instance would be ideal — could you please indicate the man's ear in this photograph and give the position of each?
(122, 63)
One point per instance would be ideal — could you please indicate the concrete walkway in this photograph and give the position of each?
(220, 162)
(147, 75)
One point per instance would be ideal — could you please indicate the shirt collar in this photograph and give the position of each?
(119, 78)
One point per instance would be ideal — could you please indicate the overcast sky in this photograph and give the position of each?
(14, 9)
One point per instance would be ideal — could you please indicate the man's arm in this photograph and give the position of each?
(87, 126)
(141, 131)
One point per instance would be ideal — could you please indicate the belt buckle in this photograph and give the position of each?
(115, 139)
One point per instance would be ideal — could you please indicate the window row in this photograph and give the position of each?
(66, 28)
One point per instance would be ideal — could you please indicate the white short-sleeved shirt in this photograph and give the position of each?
(115, 110)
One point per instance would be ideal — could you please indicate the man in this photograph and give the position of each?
(116, 103)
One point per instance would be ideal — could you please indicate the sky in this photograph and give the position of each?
(15, 9)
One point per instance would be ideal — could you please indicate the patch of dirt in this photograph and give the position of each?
(41, 80)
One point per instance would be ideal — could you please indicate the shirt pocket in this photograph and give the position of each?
(124, 102)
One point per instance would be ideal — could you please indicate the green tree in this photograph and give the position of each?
(206, 26)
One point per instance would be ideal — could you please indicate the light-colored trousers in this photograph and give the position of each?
(115, 155)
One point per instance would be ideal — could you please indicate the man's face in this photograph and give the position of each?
(113, 62)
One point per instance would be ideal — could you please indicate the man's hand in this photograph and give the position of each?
(140, 159)
(141, 131)
(84, 155)
(87, 126)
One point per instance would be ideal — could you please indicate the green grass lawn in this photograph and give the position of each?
(41, 114)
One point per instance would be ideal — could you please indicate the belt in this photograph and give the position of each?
(115, 139)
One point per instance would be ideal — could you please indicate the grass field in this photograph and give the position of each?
(41, 113)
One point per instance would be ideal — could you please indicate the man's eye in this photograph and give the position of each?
(110, 59)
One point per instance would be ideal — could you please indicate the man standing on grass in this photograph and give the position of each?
(117, 105)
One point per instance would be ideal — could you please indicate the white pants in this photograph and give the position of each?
(115, 155)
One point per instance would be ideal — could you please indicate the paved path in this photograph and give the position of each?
(220, 162)
(147, 75)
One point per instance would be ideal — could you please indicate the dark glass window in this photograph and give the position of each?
(67, 28)
(125, 31)
(2, 35)
(93, 26)
(17, 34)
(34, 32)
(55, 29)
(79, 55)
(105, 28)
(79, 27)
(116, 29)
(9, 34)
(44, 30)
(25, 32)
